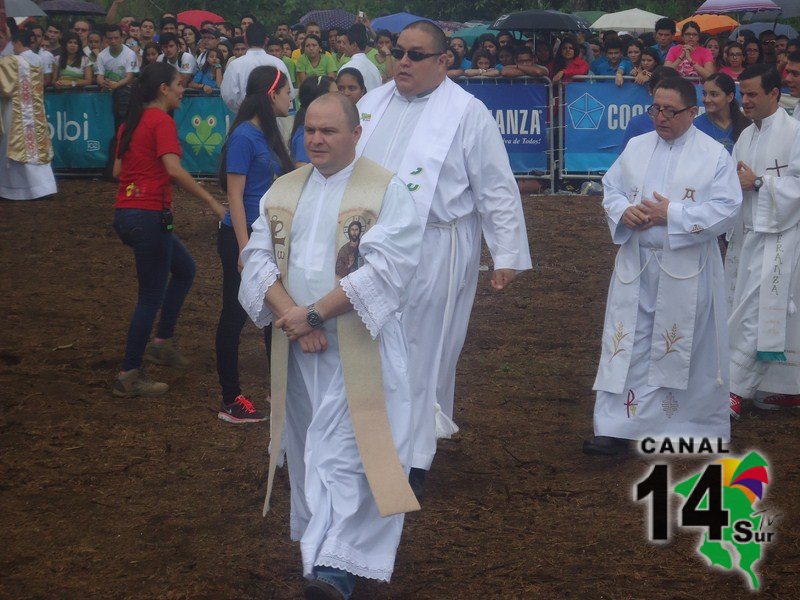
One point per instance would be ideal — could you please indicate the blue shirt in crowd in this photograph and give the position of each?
(298, 149)
(663, 54)
(723, 136)
(206, 78)
(249, 155)
(637, 126)
(601, 66)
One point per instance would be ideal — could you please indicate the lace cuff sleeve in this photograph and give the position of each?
(251, 296)
(367, 302)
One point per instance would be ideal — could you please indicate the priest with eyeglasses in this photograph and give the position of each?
(665, 360)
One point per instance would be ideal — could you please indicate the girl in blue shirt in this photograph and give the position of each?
(254, 155)
(723, 119)
(209, 77)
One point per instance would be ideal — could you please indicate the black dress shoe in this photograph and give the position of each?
(317, 589)
(416, 478)
(605, 446)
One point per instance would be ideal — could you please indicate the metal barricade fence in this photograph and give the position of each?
(521, 129)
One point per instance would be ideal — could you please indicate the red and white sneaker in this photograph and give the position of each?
(240, 411)
(736, 406)
(777, 401)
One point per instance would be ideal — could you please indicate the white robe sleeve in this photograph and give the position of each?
(229, 90)
(779, 198)
(391, 251)
(689, 224)
(259, 274)
(495, 190)
(615, 203)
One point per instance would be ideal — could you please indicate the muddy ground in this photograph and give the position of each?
(157, 498)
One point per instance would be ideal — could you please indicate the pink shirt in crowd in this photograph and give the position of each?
(700, 55)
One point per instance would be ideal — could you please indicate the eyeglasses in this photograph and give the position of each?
(669, 113)
(413, 55)
(735, 55)
(78, 29)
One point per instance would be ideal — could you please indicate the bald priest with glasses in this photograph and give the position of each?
(664, 366)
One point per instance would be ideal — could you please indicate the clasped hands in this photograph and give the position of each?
(647, 214)
(295, 325)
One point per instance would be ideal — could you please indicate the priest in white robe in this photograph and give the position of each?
(664, 366)
(337, 495)
(763, 259)
(445, 145)
(25, 147)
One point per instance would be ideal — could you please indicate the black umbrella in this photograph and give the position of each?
(540, 20)
(326, 19)
(72, 7)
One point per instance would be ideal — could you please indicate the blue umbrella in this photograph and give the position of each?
(396, 22)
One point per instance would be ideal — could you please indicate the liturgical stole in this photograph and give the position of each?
(360, 354)
(676, 307)
(27, 138)
(430, 142)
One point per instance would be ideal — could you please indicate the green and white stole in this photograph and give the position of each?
(359, 353)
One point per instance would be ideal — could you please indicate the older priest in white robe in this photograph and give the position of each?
(763, 259)
(348, 406)
(445, 145)
(664, 366)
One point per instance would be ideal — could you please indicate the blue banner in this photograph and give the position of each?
(81, 126)
(596, 115)
(520, 110)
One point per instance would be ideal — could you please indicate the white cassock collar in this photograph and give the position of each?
(337, 177)
(767, 122)
(679, 141)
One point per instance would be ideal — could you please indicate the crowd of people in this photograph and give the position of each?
(363, 335)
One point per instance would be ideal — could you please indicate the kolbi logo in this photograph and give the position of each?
(721, 498)
(64, 129)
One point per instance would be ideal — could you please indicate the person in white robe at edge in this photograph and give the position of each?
(334, 508)
(33, 179)
(762, 264)
(663, 369)
(445, 145)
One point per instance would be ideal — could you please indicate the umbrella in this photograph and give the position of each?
(736, 6)
(710, 24)
(71, 7)
(590, 16)
(470, 34)
(195, 18)
(757, 28)
(634, 19)
(540, 20)
(396, 22)
(789, 8)
(23, 8)
(340, 19)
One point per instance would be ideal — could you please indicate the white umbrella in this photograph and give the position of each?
(23, 8)
(634, 19)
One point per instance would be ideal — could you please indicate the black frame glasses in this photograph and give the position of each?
(669, 113)
(413, 55)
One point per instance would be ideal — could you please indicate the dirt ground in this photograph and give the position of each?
(157, 498)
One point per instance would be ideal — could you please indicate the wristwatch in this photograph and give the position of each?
(757, 183)
(313, 318)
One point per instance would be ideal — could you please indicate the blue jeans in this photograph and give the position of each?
(341, 580)
(158, 254)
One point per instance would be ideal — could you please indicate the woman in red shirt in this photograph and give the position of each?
(148, 157)
(568, 63)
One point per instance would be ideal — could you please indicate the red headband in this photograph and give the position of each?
(274, 84)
